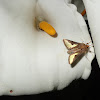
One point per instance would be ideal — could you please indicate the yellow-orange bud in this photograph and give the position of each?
(47, 28)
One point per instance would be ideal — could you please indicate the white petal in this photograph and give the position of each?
(93, 14)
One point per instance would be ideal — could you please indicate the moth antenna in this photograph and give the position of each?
(82, 40)
(87, 58)
(91, 45)
(89, 42)
(90, 52)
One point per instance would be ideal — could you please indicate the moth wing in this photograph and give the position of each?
(70, 44)
(73, 57)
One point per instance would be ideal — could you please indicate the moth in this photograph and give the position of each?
(75, 49)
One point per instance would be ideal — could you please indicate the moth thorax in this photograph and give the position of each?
(84, 46)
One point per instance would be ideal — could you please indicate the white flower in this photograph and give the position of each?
(93, 15)
(33, 61)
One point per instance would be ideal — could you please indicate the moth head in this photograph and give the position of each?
(87, 46)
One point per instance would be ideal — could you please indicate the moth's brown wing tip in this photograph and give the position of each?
(64, 40)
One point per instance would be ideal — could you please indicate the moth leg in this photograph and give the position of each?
(69, 51)
(86, 54)
(90, 45)
(87, 58)
(91, 51)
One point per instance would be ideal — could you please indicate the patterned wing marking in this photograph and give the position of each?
(73, 57)
(69, 44)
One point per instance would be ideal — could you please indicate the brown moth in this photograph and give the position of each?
(75, 49)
